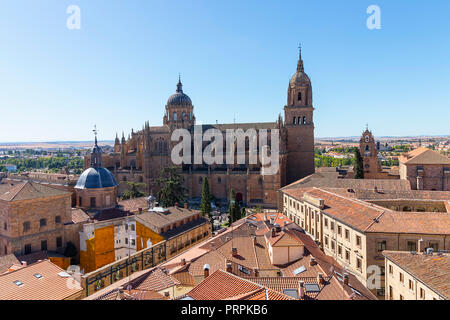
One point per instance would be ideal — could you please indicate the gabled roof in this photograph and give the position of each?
(432, 270)
(54, 283)
(28, 190)
(155, 280)
(423, 155)
(7, 261)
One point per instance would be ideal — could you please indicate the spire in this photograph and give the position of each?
(96, 155)
(95, 133)
(300, 61)
(179, 84)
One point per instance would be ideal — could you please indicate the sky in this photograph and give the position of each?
(235, 58)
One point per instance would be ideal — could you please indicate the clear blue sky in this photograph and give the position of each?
(235, 57)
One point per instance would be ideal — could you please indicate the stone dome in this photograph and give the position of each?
(179, 98)
(96, 178)
(300, 78)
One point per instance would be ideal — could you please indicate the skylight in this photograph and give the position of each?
(299, 270)
(312, 287)
(291, 293)
(18, 283)
(38, 275)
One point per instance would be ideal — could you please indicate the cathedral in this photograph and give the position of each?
(143, 155)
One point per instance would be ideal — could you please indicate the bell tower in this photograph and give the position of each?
(298, 117)
(179, 109)
(369, 153)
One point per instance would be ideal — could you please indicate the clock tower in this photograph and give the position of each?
(369, 153)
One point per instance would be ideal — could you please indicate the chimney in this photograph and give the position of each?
(167, 294)
(256, 271)
(301, 289)
(320, 278)
(229, 267)
(346, 279)
(312, 261)
(185, 205)
(24, 263)
(420, 245)
(183, 261)
(375, 189)
(206, 270)
(273, 233)
(234, 252)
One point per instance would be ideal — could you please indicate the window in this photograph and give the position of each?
(27, 248)
(358, 264)
(401, 297)
(381, 245)
(410, 285)
(304, 120)
(6, 250)
(80, 201)
(325, 222)
(422, 293)
(340, 250)
(126, 240)
(294, 120)
(44, 245)
(380, 292)
(174, 116)
(391, 269)
(219, 181)
(402, 277)
(347, 234)
(299, 121)
(347, 255)
(92, 202)
(5, 226)
(59, 242)
(26, 226)
(332, 225)
(299, 97)
(200, 180)
(133, 242)
(326, 241)
(333, 244)
(339, 230)
(382, 270)
(412, 246)
(58, 219)
(391, 293)
(43, 222)
(132, 227)
(358, 241)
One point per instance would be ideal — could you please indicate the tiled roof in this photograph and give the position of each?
(391, 194)
(222, 285)
(7, 261)
(423, 155)
(368, 217)
(174, 214)
(79, 216)
(119, 294)
(53, 285)
(133, 205)
(155, 280)
(28, 190)
(356, 184)
(432, 270)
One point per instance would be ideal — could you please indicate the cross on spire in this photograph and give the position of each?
(179, 85)
(300, 61)
(95, 133)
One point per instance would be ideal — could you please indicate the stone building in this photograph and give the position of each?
(33, 217)
(425, 169)
(141, 157)
(356, 226)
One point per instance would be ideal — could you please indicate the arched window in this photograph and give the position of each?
(299, 98)
(294, 121)
(183, 116)
(219, 180)
(299, 120)
(200, 180)
(304, 120)
(174, 116)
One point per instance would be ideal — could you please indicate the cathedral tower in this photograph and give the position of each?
(179, 110)
(298, 117)
(369, 153)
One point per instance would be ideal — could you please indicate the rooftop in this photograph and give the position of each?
(432, 270)
(423, 155)
(27, 190)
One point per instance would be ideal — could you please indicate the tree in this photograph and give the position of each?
(133, 190)
(172, 188)
(359, 169)
(205, 206)
(234, 210)
(70, 251)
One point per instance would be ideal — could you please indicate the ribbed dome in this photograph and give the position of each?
(179, 98)
(95, 178)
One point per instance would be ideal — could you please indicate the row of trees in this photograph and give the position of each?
(52, 164)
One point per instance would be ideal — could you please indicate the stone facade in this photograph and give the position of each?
(145, 153)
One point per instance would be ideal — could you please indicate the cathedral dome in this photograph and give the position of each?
(96, 178)
(179, 98)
